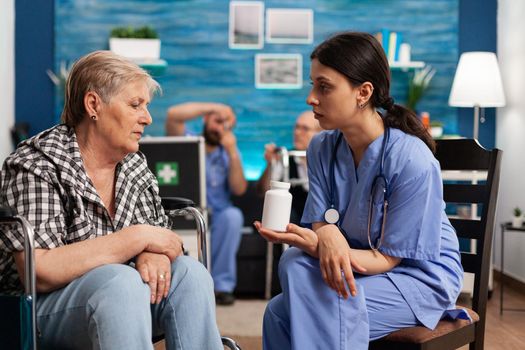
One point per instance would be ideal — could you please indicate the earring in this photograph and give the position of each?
(94, 117)
(362, 105)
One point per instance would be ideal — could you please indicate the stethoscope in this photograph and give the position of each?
(331, 215)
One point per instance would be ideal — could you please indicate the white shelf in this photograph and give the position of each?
(407, 65)
(458, 175)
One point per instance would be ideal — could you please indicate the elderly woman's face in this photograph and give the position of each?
(124, 118)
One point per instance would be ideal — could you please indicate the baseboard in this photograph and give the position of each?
(510, 281)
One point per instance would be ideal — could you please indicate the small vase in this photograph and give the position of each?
(517, 221)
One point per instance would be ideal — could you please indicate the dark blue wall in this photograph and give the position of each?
(478, 32)
(34, 53)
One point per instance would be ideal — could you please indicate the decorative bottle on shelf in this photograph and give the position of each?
(425, 119)
(277, 206)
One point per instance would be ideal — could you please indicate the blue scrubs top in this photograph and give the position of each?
(217, 170)
(417, 229)
(217, 185)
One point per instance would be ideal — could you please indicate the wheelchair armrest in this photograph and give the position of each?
(175, 206)
(6, 213)
(174, 203)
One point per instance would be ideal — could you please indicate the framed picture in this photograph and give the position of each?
(289, 26)
(246, 25)
(278, 71)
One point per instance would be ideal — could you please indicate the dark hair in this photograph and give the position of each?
(361, 58)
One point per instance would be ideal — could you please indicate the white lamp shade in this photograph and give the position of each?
(477, 81)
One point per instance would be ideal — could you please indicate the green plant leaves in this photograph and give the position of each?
(145, 32)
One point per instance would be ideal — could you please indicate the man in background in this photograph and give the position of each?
(306, 126)
(224, 177)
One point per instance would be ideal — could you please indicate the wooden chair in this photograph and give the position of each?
(461, 155)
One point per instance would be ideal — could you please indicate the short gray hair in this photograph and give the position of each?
(102, 72)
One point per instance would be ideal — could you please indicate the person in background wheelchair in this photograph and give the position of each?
(110, 273)
(306, 126)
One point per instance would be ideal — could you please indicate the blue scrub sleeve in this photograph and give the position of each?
(318, 178)
(414, 217)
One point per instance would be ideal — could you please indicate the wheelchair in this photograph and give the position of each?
(284, 164)
(19, 329)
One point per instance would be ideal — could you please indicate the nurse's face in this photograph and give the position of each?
(332, 97)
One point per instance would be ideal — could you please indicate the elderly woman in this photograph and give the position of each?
(95, 207)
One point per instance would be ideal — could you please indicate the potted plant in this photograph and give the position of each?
(517, 219)
(436, 128)
(418, 85)
(59, 79)
(135, 43)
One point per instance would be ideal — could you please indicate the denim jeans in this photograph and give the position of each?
(109, 308)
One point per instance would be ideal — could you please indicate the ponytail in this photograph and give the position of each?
(361, 58)
(402, 118)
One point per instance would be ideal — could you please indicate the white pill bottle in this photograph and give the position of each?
(277, 206)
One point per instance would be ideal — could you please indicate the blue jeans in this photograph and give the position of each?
(109, 308)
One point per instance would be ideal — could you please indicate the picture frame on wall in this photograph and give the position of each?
(246, 25)
(278, 71)
(289, 26)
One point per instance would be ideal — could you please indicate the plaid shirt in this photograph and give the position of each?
(45, 181)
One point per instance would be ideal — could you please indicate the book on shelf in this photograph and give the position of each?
(391, 42)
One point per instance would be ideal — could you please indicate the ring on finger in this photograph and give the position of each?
(162, 277)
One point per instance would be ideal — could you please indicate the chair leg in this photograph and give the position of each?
(269, 271)
(230, 343)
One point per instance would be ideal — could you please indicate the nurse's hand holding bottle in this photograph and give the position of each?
(329, 245)
(300, 237)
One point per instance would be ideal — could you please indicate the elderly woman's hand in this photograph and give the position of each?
(162, 241)
(155, 270)
(300, 237)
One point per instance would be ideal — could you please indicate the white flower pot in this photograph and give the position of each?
(148, 49)
(436, 131)
(517, 221)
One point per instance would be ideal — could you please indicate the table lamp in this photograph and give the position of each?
(477, 84)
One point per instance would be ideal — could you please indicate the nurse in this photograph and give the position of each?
(381, 254)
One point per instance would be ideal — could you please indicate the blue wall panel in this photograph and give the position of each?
(34, 43)
(201, 67)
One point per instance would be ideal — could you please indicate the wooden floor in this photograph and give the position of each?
(505, 332)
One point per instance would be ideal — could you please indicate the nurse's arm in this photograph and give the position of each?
(375, 262)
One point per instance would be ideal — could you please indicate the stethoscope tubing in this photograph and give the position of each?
(332, 215)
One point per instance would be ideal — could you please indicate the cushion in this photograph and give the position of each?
(420, 334)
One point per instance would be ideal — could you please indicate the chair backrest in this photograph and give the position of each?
(467, 155)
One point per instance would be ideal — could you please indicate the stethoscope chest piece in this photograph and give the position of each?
(331, 216)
